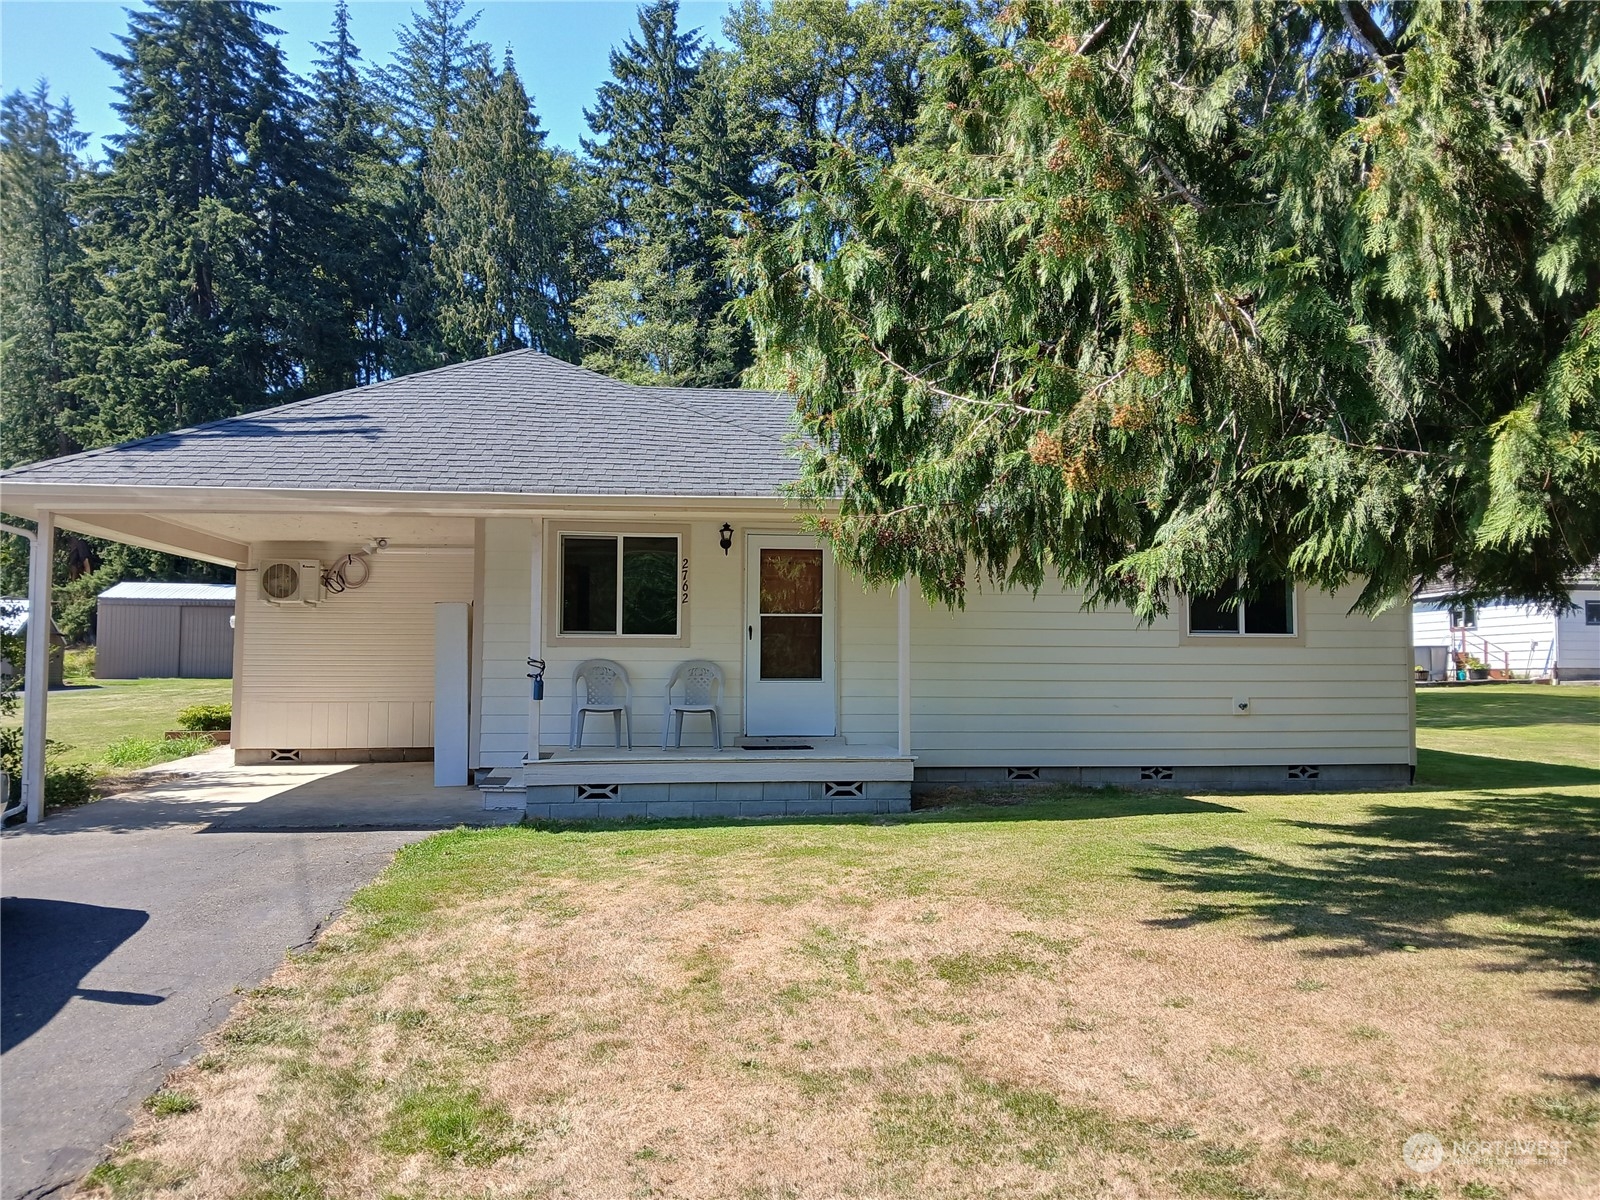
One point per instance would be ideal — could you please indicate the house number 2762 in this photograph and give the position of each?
(683, 577)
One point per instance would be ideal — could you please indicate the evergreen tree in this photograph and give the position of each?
(1165, 295)
(637, 111)
(424, 85)
(644, 323)
(678, 164)
(489, 221)
(200, 238)
(360, 212)
(578, 207)
(814, 72)
(427, 81)
(39, 166)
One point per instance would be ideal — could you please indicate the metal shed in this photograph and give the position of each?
(165, 630)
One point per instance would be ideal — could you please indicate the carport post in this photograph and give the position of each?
(36, 670)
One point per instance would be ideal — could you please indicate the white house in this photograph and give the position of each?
(1511, 639)
(14, 621)
(471, 518)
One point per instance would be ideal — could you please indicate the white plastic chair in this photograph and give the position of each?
(605, 690)
(702, 693)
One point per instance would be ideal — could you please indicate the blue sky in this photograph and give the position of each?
(562, 47)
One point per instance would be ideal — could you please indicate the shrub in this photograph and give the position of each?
(79, 664)
(65, 786)
(206, 717)
(132, 752)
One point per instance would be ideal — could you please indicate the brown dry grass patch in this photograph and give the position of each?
(1007, 1003)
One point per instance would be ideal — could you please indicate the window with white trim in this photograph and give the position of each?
(1267, 611)
(620, 584)
(1591, 612)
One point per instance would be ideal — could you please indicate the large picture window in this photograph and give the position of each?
(1269, 612)
(619, 584)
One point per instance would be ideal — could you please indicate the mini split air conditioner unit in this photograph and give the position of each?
(291, 582)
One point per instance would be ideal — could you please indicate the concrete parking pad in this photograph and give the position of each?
(129, 925)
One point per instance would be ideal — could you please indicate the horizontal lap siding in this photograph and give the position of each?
(1518, 636)
(715, 631)
(356, 671)
(503, 625)
(1012, 681)
(1021, 681)
(1580, 642)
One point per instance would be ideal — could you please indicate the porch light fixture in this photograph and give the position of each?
(726, 537)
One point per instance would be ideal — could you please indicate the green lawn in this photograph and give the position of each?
(1082, 993)
(1510, 730)
(88, 715)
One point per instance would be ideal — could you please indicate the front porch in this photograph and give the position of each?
(756, 778)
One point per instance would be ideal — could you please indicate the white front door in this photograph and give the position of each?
(788, 660)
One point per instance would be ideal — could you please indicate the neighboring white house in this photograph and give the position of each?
(404, 549)
(14, 621)
(1511, 639)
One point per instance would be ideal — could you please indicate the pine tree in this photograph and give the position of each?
(39, 253)
(198, 239)
(1162, 295)
(578, 208)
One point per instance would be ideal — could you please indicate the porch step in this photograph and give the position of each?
(490, 779)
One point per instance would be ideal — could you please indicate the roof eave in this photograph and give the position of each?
(28, 499)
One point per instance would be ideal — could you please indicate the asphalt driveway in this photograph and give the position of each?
(128, 926)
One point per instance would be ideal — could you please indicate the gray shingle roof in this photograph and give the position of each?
(521, 422)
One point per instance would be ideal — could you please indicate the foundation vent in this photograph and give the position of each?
(1155, 774)
(843, 791)
(284, 756)
(1305, 772)
(1022, 774)
(597, 791)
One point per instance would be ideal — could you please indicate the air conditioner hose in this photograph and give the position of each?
(337, 578)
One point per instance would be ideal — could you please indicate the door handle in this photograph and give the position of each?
(750, 633)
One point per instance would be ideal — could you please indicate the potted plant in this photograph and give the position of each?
(1477, 668)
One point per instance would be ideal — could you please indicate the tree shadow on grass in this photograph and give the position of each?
(1509, 873)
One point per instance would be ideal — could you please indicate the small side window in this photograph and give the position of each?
(1267, 613)
(1464, 616)
(1591, 612)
